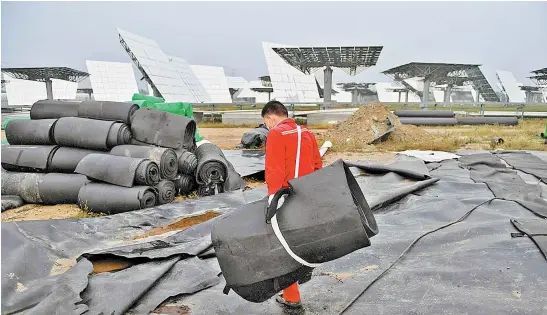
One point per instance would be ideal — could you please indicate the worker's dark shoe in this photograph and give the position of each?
(288, 305)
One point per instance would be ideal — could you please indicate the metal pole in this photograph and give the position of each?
(447, 94)
(328, 87)
(49, 89)
(425, 93)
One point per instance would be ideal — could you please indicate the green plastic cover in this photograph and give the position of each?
(142, 97)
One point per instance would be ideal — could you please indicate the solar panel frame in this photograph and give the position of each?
(509, 85)
(112, 81)
(156, 67)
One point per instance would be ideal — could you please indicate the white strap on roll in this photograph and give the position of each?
(275, 225)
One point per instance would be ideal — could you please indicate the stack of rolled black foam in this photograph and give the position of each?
(108, 157)
(448, 118)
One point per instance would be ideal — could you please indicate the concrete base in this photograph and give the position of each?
(240, 118)
(327, 118)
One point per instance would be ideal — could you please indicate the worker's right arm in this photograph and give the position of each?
(275, 161)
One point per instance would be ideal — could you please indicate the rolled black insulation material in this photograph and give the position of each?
(507, 121)
(213, 168)
(116, 111)
(30, 132)
(66, 159)
(187, 161)
(27, 158)
(164, 129)
(210, 190)
(11, 201)
(424, 113)
(165, 158)
(111, 199)
(55, 188)
(24, 185)
(424, 121)
(166, 192)
(50, 109)
(185, 184)
(90, 134)
(119, 170)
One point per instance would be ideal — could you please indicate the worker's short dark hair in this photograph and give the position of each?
(275, 108)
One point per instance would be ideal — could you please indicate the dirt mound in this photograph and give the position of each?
(368, 123)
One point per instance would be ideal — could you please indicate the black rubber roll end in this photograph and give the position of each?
(166, 192)
(147, 174)
(188, 163)
(185, 184)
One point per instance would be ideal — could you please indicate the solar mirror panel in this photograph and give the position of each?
(112, 81)
(214, 81)
(509, 84)
(189, 77)
(150, 59)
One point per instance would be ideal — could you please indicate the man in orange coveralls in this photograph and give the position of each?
(281, 156)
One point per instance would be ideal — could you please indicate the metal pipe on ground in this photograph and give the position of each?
(425, 121)
(424, 113)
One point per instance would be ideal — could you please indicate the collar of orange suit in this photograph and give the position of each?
(288, 119)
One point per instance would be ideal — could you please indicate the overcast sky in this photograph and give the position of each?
(500, 35)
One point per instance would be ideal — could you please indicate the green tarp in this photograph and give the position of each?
(8, 119)
(142, 97)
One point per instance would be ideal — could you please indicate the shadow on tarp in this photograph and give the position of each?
(439, 273)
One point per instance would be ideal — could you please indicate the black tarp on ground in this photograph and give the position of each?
(471, 267)
(246, 162)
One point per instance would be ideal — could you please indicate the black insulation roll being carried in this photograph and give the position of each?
(119, 170)
(30, 132)
(51, 109)
(90, 134)
(116, 111)
(213, 169)
(255, 138)
(424, 113)
(424, 121)
(185, 184)
(166, 192)
(24, 185)
(55, 188)
(166, 158)
(111, 199)
(164, 129)
(65, 159)
(506, 121)
(28, 158)
(324, 217)
(187, 161)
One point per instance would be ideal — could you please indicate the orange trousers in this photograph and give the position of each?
(291, 294)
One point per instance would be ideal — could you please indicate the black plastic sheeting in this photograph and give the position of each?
(65, 159)
(30, 132)
(525, 162)
(534, 229)
(110, 199)
(116, 111)
(164, 129)
(166, 191)
(165, 158)
(255, 138)
(506, 121)
(474, 266)
(246, 162)
(51, 109)
(11, 201)
(27, 158)
(119, 170)
(214, 173)
(424, 113)
(90, 134)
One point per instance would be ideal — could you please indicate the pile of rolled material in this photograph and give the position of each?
(110, 111)
(214, 173)
(165, 158)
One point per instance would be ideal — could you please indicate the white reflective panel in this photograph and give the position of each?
(112, 81)
(236, 82)
(63, 90)
(439, 95)
(285, 78)
(24, 92)
(214, 81)
(246, 92)
(386, 94)
(189, 77)
(509, 84)
(157, 66)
